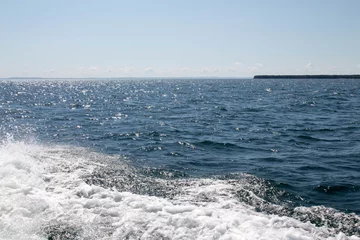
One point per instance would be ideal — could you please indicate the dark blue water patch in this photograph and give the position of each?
(337, 189)
(216, 145)
(316, 168)
(312, 138)
(272, 160)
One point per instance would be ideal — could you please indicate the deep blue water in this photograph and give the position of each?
(300, 139)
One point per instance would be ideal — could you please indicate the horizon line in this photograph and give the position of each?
(187, 77)
(147, 77)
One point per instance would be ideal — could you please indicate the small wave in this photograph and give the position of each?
(214, 144)
(314, 168)
(315, 139)
(336, 189)
(253, 110)
(271, 159)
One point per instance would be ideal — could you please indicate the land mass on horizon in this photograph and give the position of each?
(321, 76)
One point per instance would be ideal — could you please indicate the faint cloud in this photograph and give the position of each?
(238, 64)
(309, 65)
(127, 69)
(358, 66)
(149, 70)
(205, 70)
(49, 71)
(210, 69)
(185, 69)
(252, 69)
(79, 70)
(259, 64)
(231, 69)
(93, 69)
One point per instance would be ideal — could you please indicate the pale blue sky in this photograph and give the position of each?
(178, 38)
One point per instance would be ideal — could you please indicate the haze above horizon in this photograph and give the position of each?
(178, 39)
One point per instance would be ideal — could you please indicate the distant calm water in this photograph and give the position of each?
(180, 159)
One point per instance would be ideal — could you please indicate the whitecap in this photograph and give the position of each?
(44, 194)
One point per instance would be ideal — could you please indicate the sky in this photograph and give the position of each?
(178, 38)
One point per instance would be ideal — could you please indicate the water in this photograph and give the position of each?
(180, 159)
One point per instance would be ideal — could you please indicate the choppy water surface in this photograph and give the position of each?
(180, 159)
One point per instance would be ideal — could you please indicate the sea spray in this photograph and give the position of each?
(44, 195)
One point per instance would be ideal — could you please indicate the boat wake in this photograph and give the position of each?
(62, 192)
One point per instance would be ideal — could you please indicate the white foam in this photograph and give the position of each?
(41, 186)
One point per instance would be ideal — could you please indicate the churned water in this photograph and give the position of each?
(179, 159)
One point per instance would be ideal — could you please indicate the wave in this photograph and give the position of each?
(63, 192)
(334, 189)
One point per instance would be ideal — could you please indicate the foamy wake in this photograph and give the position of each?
(43, 195)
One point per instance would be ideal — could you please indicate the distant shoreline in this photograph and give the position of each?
(115, 78)
(353, 76)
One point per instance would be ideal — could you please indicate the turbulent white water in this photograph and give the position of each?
(43, 195)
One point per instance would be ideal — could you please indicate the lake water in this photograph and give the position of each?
(179, 159)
